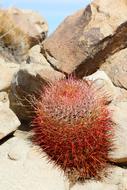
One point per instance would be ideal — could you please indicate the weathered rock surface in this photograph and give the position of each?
(29, 80)
(118, 107)
(94, 185)
(4, 101)
(14, 43)
(115, 94)
(35, 56)
(116, 180)
(87, 38)
(119, 117)
(7, 71)
(116, 68)
(19, 31)
(30, 22)
(8, 121)
(104, 83)
(117, 176)
(29, 169)
(23, 167)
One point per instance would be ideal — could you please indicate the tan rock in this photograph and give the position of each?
(4, 99)
(30, 171)
(35, 56)
(118, 107)
(117, 176)
(104, 83)
(20, 30)
(116, 68)
(28, 82)
(93, 185)
(7, 71)
(8, 121)
(14, 43)
(85, 39)
(23, 132)
(115, 180)
(119, 117)
(18, 149)
(30, 22)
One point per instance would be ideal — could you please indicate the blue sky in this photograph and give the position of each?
(54, 11)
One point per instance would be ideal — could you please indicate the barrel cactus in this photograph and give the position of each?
(73, 126)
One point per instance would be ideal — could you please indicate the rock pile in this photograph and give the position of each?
(91, 43)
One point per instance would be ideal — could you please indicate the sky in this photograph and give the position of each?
(54, 11)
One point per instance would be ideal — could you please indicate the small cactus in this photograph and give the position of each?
(73, 127)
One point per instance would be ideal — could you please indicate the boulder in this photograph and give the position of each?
(94, 185)
(119, 117)
(30, 22)
(22, 166)
(4, 99)
(116, 68)
(35, 56)
(30, 169)
(8, 121)
(116, 176)
(27, 83)
(7, 71)
(116, 180)
(84, 40)
(19, 31)
(104, 83)
(118, 108)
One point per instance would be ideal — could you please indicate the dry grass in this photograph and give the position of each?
(11, 36)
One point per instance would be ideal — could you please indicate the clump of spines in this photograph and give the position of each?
(73, 126)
